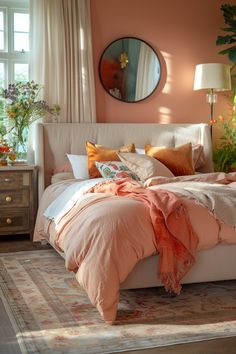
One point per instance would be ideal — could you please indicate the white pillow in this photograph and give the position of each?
(144, 166)
(140, 151)
(79, 164)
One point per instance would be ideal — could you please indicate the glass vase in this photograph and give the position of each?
(21, 151)
(20, 143)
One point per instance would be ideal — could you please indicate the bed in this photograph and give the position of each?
(56, 140)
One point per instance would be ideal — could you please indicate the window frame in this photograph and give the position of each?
(5, 63)
(9, 56)
(5, 30)
(13, 61)
(19, 11)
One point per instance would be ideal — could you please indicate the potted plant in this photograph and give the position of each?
(20, 106)
(224, 154)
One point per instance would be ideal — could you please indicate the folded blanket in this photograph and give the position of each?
(219, 199)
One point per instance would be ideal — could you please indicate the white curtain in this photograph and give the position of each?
(61, 48)
(147, 73)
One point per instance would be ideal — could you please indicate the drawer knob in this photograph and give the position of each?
(7, 179)
(8, 199)
(8, 221)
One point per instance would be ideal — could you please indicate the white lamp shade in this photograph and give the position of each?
(212, 76)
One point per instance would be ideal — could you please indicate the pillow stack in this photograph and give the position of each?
(139, 164)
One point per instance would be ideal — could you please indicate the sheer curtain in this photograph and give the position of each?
(147, 73)
(61, 49)
(61, 60)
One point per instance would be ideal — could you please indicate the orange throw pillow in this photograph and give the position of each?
(102, 153)
(178, 159)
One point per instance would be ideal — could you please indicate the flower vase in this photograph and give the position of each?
(21, 144)
(21, 151)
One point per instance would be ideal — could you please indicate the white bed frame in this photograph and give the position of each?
(55, 140)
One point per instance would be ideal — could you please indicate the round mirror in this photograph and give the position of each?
(129, 69)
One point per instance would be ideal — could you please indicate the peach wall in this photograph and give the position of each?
(183, 32)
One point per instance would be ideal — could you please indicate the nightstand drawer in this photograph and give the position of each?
(14, 180)
(14, 220)
(18, 203)
(14, 198)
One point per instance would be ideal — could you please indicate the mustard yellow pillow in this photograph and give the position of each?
(103, 153)
(178, 159)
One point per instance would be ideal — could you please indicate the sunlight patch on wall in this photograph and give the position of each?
(169, 77)
(164, 115)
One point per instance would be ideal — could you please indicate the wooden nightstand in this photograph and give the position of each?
(18, 199)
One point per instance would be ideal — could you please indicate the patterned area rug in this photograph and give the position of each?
(52, 314)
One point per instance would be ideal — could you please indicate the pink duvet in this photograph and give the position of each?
(105, 236)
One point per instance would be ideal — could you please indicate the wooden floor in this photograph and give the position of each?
(19, 243)
(22, 243)
(10, 243)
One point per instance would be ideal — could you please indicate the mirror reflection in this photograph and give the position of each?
(129, 69)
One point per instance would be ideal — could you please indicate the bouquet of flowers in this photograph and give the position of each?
(4, 150)
(6, 153)
(21, 107)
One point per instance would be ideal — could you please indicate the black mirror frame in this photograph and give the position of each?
(100, 77)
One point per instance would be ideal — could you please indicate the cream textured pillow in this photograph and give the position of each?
(144, 166)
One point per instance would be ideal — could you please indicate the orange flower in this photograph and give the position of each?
(213, 121)
(4, 149)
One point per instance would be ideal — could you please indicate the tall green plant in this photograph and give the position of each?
(224, 155)
(229, 14)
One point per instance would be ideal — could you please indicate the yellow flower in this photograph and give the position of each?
(11, 114)
(123, 60)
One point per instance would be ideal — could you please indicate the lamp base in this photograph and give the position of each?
(211, 97)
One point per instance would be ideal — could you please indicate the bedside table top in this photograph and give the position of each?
(17, 167)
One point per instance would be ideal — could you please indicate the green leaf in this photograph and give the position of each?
(229, 11)
(225, 40)
(232, 55)
(229, 29)
(232, 23)
(226, 51)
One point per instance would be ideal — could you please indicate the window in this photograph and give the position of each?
(14, 41)
(2, 74)
(2, 32)
(21, 31)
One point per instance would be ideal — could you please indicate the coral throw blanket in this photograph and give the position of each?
(176, 241)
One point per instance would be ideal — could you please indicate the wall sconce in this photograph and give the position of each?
(212, 77)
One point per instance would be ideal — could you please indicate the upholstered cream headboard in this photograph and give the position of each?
(55, 140)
